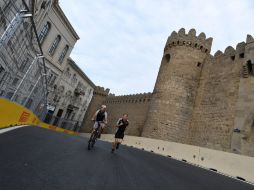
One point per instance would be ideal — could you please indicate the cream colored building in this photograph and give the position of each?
(74, 93)
(65, 80)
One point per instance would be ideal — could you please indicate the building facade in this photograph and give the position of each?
(70, 90)
(199, 99)
(35, 68)
(22, 68)
(72, 94)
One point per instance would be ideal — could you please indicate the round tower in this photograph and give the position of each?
(173, 99)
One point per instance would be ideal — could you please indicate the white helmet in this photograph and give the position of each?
(103, 106)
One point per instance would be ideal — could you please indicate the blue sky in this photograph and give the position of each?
(121, 42)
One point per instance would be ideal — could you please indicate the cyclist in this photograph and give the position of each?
(121, 125)
(100, 119)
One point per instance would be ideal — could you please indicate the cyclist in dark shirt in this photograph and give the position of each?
(100, 119)
(121, 125)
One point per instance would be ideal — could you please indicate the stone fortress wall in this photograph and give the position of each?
(136, 106)
(199, 99)
(99, 95)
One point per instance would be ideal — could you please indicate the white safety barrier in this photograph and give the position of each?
(238, 166)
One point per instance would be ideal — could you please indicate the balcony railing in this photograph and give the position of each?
(79, 92)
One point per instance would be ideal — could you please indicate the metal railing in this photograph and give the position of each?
(23, 77)
(68, 124)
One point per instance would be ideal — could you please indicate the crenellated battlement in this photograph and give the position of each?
(190, 39)
(101, 91)
(132, 98)
(231, 52)
(249, 39)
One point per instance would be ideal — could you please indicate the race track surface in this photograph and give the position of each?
(35, 158)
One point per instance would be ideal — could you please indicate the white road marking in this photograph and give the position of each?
(10, 129)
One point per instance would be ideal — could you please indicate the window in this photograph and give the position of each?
(90, 91)
(2, 20)
(16, 98)
(30, 88)
(74, 79)
(166, 58)
(67, 73)
(44, 32)
(24, 64)
(249, 65)
(52, 78)
(9, 95)
(1, 92)
(54, 45)
(29, 103)
(1, 69)
(241, 55)
(199, 64)
(43, 5)
(38, 73)
(52, 81)
(10, 46)
(233, 58)
(65, 50)
(15, 81)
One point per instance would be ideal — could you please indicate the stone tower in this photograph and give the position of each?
(173, 99)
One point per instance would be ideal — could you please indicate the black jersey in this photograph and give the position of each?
(122, 125)
(100, 116)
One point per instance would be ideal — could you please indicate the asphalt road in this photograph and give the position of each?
(35, 158)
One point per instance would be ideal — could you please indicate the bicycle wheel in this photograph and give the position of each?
(93, 140)
(89, 146)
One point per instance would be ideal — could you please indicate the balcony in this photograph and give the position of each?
(79, 92)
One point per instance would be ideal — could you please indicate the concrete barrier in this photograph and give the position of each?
(178, 151)
(238, 166)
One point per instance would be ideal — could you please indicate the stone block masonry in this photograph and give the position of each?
(198, 99)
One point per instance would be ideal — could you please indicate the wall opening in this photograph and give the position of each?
(166, 58)
(249, 65)
(199, 64)
(241, 55)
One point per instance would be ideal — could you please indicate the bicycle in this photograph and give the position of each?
(94, 136)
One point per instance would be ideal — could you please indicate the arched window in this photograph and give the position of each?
(166, 58)
(44, 32)
(74, 79)
(54, 45)
(43, 5)
(67, 73)
(65, 50)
